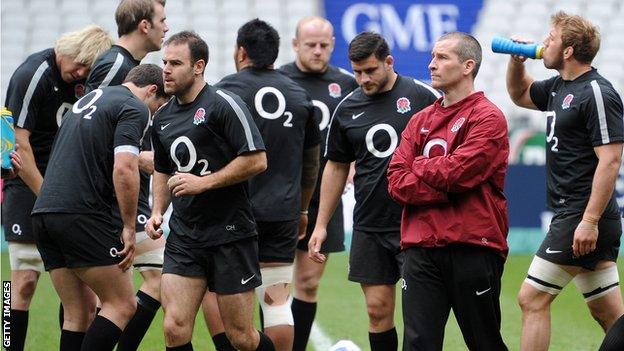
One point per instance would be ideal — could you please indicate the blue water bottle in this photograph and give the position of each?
(508, 46)
(7, 142)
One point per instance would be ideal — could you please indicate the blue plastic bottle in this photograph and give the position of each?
(7, 143)
(508, 46)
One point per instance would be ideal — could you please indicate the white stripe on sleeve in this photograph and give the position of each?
(127, 148)
(30, 91)
(332, 119)
(241, 117)
(113, 71)
(602, 115)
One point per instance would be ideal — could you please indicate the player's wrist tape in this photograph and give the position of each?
(304, 212)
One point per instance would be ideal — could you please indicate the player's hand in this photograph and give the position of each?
(585, 238)
(186, 184)
(153, 227)
(314, 245)
(128, 236)
(303, 225)
(16, 164)
(519, 39)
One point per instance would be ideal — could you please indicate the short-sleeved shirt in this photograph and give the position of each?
(366, 129)
(38, 97)
(326, 89)
(582, 114)
(202, 137)
(110, 69)
(284, 115)
(103, 122)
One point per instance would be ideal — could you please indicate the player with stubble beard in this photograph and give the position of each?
(206, 146)
(583, 157)
(365, 128)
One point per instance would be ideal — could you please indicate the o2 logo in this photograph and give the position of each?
(281, 106)
(192, 152)
(324, 113)
(382, 128)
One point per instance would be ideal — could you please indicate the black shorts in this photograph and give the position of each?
(68, 240)
(17, 204)
(557, 245)
(277, 241)
(335, 231)
(229, 268)
(375, 258)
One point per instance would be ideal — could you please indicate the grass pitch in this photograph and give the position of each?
(342, 314)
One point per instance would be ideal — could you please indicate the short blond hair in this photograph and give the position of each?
(84, 45)
(578, 33)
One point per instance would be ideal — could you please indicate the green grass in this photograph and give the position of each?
(342, 315)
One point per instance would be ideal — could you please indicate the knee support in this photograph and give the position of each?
(596, 284)
(150, 260)
(275, 314)
(547, 276)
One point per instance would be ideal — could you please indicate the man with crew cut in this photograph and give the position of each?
(326, 85)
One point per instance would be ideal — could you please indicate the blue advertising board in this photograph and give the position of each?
(410, 27)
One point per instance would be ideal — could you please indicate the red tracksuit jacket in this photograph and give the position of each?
(449, 172)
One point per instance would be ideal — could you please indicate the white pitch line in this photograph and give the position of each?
(319, 339)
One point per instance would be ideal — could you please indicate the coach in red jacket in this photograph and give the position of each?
(449, 172)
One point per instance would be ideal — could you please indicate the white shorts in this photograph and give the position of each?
(24, 257)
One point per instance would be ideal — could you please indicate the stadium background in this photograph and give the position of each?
(410, 27)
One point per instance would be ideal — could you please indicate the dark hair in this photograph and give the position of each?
(366, 44)
(130, 13)
(467, 48)
(197, 46)
(147, 74)
(261, 42)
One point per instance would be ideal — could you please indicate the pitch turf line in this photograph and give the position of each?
(319, 339)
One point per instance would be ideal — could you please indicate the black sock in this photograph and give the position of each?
(61, 315)
(265, 343)
(303, 314)
(71, 340)
(384, 341)
(185, 347)
(19, 326)
(134, 332)
(102, 335)
(222, 343)
(614, 340)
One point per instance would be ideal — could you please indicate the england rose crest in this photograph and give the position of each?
(567, 101)
(334, 90)
(200, 116)
(403, 105)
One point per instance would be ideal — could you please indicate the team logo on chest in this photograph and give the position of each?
(567, 101)
(79, 90)
(458, 124)
(334, 90)
(403, 105)
(200, 116)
